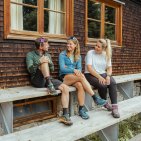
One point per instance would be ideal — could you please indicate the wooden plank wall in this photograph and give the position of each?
(126, 60)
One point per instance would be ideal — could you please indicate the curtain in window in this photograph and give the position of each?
(54, 17)
(16, 16)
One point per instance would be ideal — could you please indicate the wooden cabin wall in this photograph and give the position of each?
(126, 59)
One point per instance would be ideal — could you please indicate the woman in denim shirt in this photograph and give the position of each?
(70, 73)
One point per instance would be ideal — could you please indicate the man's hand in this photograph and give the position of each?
(44, 59)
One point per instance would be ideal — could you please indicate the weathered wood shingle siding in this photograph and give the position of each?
(125, 60)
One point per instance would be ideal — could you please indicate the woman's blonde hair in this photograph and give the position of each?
(77, 48)
(106, 45)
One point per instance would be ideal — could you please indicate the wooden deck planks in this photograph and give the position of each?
(56, 131)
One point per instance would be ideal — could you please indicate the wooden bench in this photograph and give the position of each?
(99, 121)
(8, 96)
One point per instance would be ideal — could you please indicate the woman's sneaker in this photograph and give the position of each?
(115, 112)
(65, 119)
(108, 106)
(99, 101)
(83, 114)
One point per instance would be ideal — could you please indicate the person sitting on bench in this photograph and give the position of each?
(98, 71)
(39, 65)
(70, 73)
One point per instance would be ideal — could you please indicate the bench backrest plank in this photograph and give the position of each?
(55, 131)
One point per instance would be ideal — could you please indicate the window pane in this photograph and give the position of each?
(31, 2)
(26, 19)
(46, 3)
(109, 14)
(94, 10)
(93, 29)
(110, 31)
(54, 23)
(29, 19)
(46, 21)
(58, 5)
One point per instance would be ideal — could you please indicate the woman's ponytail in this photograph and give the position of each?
(108, 49)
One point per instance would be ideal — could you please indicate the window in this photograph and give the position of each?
(29, 18)
(104, 20)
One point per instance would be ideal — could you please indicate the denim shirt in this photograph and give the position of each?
(66, 66)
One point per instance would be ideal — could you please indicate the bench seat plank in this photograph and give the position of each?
(55, 131)
(127, 78)
(18, 93)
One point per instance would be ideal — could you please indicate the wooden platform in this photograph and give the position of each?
(56, 131)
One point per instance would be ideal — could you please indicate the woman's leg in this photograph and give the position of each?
(70, 79)
(113, 97)
(102, 89)
(65, 104)
(81, 99)
(113, 91)
(65, 95)
(80, 93)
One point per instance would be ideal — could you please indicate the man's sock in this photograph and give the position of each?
(48, 81)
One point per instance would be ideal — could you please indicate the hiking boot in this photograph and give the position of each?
(99, 101)
(51, 90)
(66, 120)
(83, 114)
(108, 106)
(115, 112)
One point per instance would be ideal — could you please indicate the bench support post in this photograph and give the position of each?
(71, 103)
(110, 133)
(6, 116)
(126, 89)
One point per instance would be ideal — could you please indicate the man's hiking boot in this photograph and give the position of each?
(51, 90)
(66, 120)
